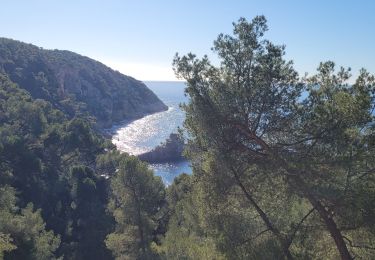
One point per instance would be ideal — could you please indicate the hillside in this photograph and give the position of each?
(77, 85)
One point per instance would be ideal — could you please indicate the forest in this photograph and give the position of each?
(283, 164)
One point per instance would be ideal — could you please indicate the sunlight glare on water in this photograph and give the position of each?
(142, 135)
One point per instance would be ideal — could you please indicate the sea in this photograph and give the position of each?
(144, 134)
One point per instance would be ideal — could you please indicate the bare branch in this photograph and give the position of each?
(255, 237)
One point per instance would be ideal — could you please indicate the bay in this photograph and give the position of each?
(144, 134)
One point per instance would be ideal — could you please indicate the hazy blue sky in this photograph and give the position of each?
(140, 38)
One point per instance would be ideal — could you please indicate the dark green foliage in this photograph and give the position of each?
(89, 222)
(23, 230)
(188, 235)
(38, 147)
(61, 166)
(53, 160)
(136, 204)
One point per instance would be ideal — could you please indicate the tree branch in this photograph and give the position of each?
(357, 246)
(255, 237)
(290, 240)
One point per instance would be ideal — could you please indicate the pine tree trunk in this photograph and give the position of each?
(327, 219)
(332, 228)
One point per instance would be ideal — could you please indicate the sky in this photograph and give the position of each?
(140, 38)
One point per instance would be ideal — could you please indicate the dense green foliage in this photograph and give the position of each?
(61, 167)
(23, 231)
(282, 166)
(56, 165)
(44, 159)
(136, 204)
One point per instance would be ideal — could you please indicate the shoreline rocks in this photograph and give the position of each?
(169, 151)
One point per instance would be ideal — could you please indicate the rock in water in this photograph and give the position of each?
(169, 151)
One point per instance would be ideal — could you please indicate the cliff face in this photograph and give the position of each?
(76, 84)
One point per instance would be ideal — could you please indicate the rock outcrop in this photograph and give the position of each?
(77, 85)
(169, 151)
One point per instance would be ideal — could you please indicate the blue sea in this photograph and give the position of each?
(144, 134)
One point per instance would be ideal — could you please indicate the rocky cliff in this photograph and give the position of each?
(75, 84)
